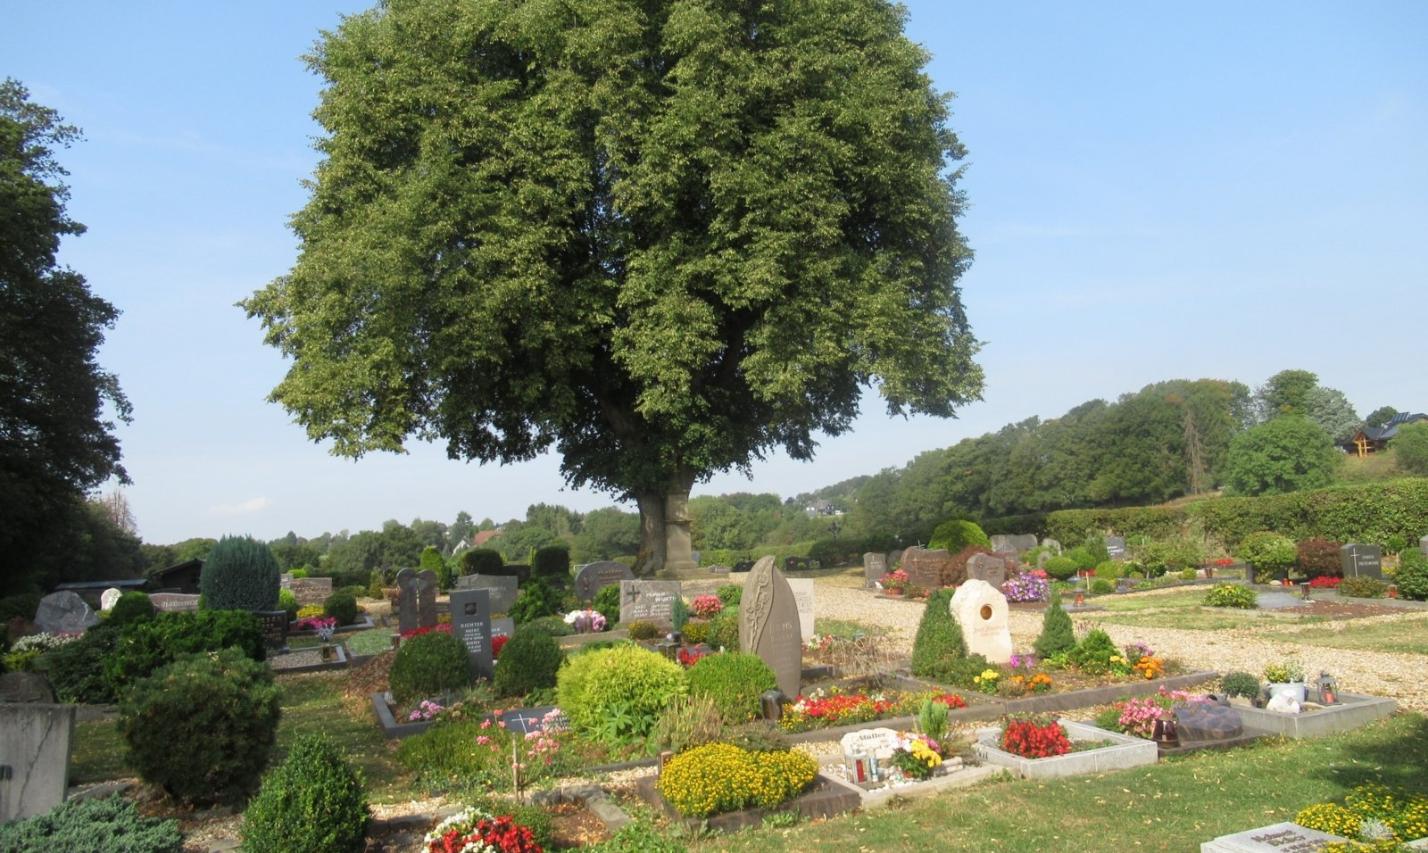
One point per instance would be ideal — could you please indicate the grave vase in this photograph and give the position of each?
(1295, 690)
(328, 652)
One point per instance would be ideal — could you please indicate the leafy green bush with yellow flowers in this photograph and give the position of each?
(720, 777)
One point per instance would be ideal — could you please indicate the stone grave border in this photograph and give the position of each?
(382, 704)
(365, 623)
(1124, 752)
(825, 797)
(342, 662)
(1354, 710)
(962, 777)
(576, 641)
(593, 797)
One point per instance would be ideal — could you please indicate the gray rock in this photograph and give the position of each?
(25, 687)
(1052, 544)
(35, 743)
(1206, 721)
(64, 613)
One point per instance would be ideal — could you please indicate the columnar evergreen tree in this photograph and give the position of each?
(1057, 633)
(663, 239)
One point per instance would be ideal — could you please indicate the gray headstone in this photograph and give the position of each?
(803, 598)
(275, 628)
(874, 567)
(503, 626)
(1361, 560)
(1052, 544)
(34, 743)
(648, 601)
(1275, 838)
(1116, 545)
(309, 590)
(409, 587)
(503, 589)
(108, 598)
(471, 624)
(174, 602)
(768, 624)
(991, 568)
(29, 687)
(927, 569)
(894, 558)
(593, 577)
(1013, 543)
(64, 613)
(426, 598)
(1043, 558)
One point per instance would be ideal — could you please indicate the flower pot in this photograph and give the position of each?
(1392, 591)
(893, 592)
(1294, 690)
(329, 653)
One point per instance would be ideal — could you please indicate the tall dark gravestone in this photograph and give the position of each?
(768, 624)
(471, 624)
(408, 587)
(1361, 560)
(275, 628)
(1116, 546)
(592, 577)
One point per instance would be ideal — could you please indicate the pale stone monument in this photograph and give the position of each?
(678, 538)
(768, 624)
(803, 597)
(108, 598)
(981, 610)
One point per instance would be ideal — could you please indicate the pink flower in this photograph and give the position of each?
(482, 740)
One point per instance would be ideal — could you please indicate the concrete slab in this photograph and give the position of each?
(1123, 752)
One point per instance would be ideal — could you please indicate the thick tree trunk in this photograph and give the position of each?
(665, 540)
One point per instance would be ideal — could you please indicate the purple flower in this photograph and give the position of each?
(1026, 587)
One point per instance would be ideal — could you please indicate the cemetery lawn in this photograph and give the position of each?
(1174, 805)
(1201, 619)
(1402, 636)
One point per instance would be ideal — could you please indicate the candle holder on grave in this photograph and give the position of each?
(1328, 689)
(771, 704)
(1165, 733)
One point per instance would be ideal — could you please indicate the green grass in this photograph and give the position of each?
(1203, 619)
(847, 628)
(1409, 636)
(370, 642)
(1133, 603)
(1171, 806)
(311, 703)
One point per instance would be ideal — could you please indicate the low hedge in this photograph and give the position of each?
(111, 824)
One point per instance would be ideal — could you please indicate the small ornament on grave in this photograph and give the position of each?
(1328, 689)
(771, 704)
(1165, 733)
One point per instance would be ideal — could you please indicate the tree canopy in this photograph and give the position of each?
(55, 441)
(663, 239)
(1285, 454)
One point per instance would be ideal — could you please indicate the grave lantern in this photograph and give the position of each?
(1165, 734)
(771, 704)
(1328, 689)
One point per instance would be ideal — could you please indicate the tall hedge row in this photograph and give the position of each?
(1369, 512)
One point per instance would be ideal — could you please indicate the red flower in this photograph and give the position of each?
(497, 643)
(1032, 739)
(951, 700)
(442, 627)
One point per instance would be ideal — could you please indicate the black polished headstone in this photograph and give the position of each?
(1358, 560)
(471, 624)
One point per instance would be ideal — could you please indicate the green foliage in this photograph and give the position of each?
(721, 777)
(679, 614)
(607, 601)
(641, 629)
(481, 561)
(376, 581)
(429, 665)
(1170, 555)
(1101, 586)
(22, 605)
(1371, 512)
(1240, 684)
(1231, 595)
(552, 563)
(938, 649)
(109, 824)
(1061, 568)
(132, 606)
(201, 727)
(1093, 654)
(529, 662)
(689, 721)
(1071, 525)
(1081, 557)
(724, 629)
(696, 631)
(145, 646)
(76, 669)
(932, 719)
(1287, 454)
(341, 605)
(953, 536)
(1268, 551)
(1058, 635)
(313, 802)
(735, 681)
(1412, 577)
(730, 593)
(288, 603)
(1108, 570)
(1317, 557)
(535, 599)
(1410, 445)
(616, 695)
(1362, 587)
(240, 574)
(432, 561)
(552, 625)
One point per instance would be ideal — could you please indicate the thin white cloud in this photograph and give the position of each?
(247, 507)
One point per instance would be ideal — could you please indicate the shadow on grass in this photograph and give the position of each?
(1396, 756)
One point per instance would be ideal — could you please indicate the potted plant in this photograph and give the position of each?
(894, 582)
(1286, 678)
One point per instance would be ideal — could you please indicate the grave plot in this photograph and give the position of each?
(1032, 749)
(1316, 720)
(882, 764)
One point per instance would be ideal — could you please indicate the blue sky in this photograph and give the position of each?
(1157, 191)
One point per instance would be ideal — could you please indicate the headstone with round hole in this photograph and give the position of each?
(981, 611)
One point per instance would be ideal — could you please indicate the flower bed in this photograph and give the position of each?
(824, 797)
(835, 707)
(477, 831)
(1120, 752)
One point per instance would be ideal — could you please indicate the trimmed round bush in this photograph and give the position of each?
(288, 603)
(552, 562)
(528, 662)
(555, 626)
(957, 534)
(132, 606)
(734, 681)
(724, 629)
(429, 665)
(1058, 635)
(1061, 568)
(312, 802)
(1232, 595)
(240, 573)
(342, 606)
(938, 649)
(1268, 551)
(110, 824)
(145, 646)
(481, 561)
(616, 695)
(607, 601)
(720, 777)
(202, 727)
(535, 599)
(1240, 684)
(1412, 577)
(75, 669)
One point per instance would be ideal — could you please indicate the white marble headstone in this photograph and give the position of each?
(803, 597)
(881, 743)
(981, 611)
(108, 598)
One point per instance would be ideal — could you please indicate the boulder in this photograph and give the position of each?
(64, 613)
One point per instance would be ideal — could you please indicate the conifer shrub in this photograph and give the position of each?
(132, 606)
(552, 563)
(147, 645)
(376, 582)
(938, 649)
(312, 802)
(1093, 654)
(735, 681)
(616, 695)
(202, 727)
(481, 561)
(535, 599)
(429, 665)
(1061, 568)
(607, 601)
(109, 824)
(342, 606)
(240, 573)
(1057, 633)
(953, 536)
(75, 669)
(528, 662)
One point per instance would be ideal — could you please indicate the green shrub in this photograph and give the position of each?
(1412, 577)
(552, 563)
(1410, 448)
(607, 601)
(535, 599)
(724, 629)
(240, 573)
(312, 802)
(1371, 512)
(1101, 586)
(735, 681)
(689, 721)
(730, 593)
(375, 584)
(1057, 633)
(679, 614)
(616, 695)
(641, 629)
(288, 602)
(75, 669)
(1096, 546)
(1318, 557)
(953, 536)
(132, 606)
(1081, 557)
(1268, 551)
(429, 665)
(1188, 574)
(529, 662)
(721, 777)
(110, 825)
(1231, 595)
(552, 625)
(1074, 525)
(1174, 554)
(938, 649)
(201, 727)
(298, 573)
(1108, 570)
(1093, 654)
(1362, 587)
(145, 646)
(1288, 453)
(342, 606)
(696, 631)
(481, 561)
(1061, 568)
(22, 604)
(1240, 684)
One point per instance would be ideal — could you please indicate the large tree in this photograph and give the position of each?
(55, 441)
(664, 238)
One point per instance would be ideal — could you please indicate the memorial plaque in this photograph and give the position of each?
(768, 624)
(1116, 546)
(471, 624)
(174, 602)
(1361, 560)
(309, 590)
(991, 568)
(928, 569)
(1275, 838)
(803, 598)
(648, 601)
(503, 589)
(275, 628)
(593, 577)
(503, 626)
(874, 567)
(880, 743)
